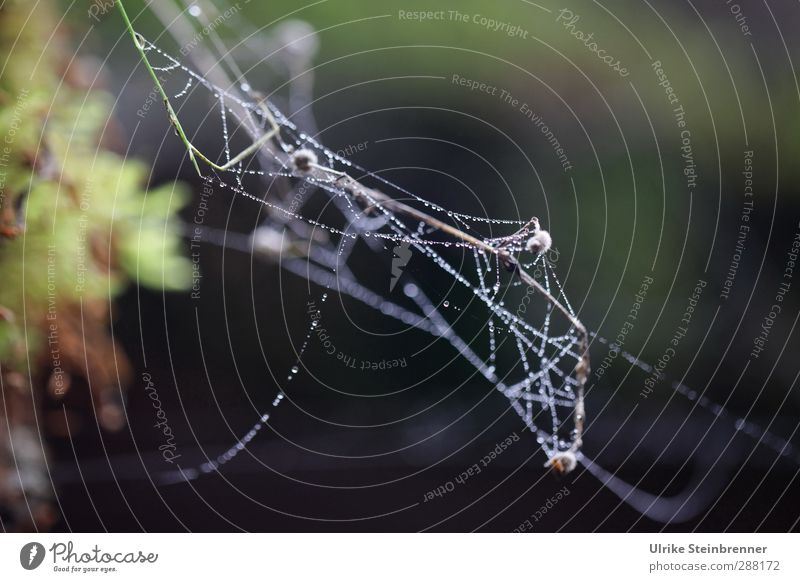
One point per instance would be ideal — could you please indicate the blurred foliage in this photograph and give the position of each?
(78, 202)
(77, 225)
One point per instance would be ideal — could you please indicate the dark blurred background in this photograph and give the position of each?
(342, 454)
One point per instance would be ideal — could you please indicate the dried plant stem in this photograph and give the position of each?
(582, 369)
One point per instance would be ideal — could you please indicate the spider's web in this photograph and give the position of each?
(539, 381)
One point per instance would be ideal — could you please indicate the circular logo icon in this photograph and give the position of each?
(31, 555)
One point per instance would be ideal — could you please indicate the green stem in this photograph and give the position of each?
(172, 117)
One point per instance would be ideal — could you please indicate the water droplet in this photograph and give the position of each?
(195, 10)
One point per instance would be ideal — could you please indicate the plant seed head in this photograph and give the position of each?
(563, 462)
(303, 159)
(540, 242)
